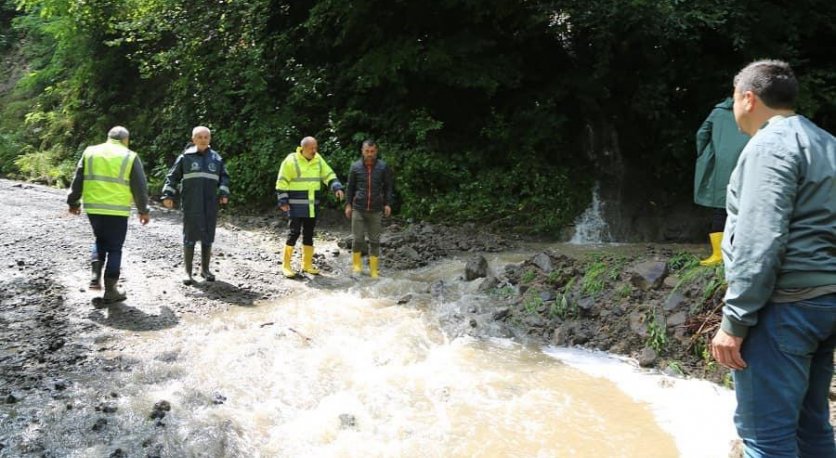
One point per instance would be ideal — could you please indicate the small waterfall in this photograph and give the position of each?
(591, 227)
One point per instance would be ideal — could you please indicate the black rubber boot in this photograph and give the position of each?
(111, 294)
(188, 261)
(96, 278)
(205, 259)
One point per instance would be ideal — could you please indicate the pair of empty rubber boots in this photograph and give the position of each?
(716, 258)
(307, 261)
(111, 294)
(205, 259)
(357, 264)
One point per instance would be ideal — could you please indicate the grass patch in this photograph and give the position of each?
(528, 276)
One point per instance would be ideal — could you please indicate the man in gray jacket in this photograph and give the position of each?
(779, 247)
(369, 198)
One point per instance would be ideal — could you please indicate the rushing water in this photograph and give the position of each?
(348, 372)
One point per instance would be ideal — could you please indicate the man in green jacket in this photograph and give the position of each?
(779, 320)
(719, 143)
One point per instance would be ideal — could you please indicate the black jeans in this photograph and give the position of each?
(305, 226)
(110, 232)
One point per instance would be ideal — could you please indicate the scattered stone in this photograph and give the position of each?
(476, 267)
(99, 424)
(543, 261)
(218, 399)
(677, 319)
(648, 275)
(13, 398)
(501, 313)
(671, 281)
(21, 262)
(547, 296)
(60, 385)
(405, 299)
(490, 282)
(647, 357)
(674, 300)
(118, 453)
(160, 409)
(637, 324)
(106, 407)
(348, 421)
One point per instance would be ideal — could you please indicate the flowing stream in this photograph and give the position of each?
(343, 370)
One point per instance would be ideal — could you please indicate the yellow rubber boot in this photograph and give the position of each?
(307, 260)
(373, 263)
(716, 257)
(288, 255)
(356, 262)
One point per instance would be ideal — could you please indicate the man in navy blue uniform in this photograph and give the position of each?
(200, 177)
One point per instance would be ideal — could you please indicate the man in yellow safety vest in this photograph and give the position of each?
(108, 178)
(298, 191)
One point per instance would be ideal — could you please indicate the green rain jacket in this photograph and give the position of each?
(719, 143)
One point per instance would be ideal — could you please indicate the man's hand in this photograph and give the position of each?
(75, 210)
(348, 211)
(340, 194)
(224, 200)
(387, 210)
(725, 348)
(144, 218)
(284, 207)
(168, 203)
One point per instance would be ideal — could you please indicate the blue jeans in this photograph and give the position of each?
(110, 232)
(782, 395)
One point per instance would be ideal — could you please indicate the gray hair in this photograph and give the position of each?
(200, 129)
(771, 80)
(306, 140)
(368, 142)
(118, 133)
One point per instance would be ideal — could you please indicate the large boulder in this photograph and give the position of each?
(477, 267)
(543, 262)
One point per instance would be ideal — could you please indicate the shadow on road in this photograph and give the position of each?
(123, 316)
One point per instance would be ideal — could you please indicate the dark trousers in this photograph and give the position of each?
(110, 232)
(304, 226)
(718, 220)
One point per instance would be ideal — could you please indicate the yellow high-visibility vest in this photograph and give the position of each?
(107, 176)
(301, 179)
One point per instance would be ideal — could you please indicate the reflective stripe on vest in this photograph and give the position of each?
(210, 176)
(107, 171)
(305, 176)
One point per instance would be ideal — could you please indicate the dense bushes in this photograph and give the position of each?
(484, 109)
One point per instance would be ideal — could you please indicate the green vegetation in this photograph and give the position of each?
(482, 108)
(683, 261)
(532, 302)
(624, 291)
(599, 271)
(528, 276)
(657, 337)
(563, 306)
(593, 280)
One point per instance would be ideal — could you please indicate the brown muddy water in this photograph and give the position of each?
(342, 369)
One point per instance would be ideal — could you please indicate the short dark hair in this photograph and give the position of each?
(771, 80)
(368, 142)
